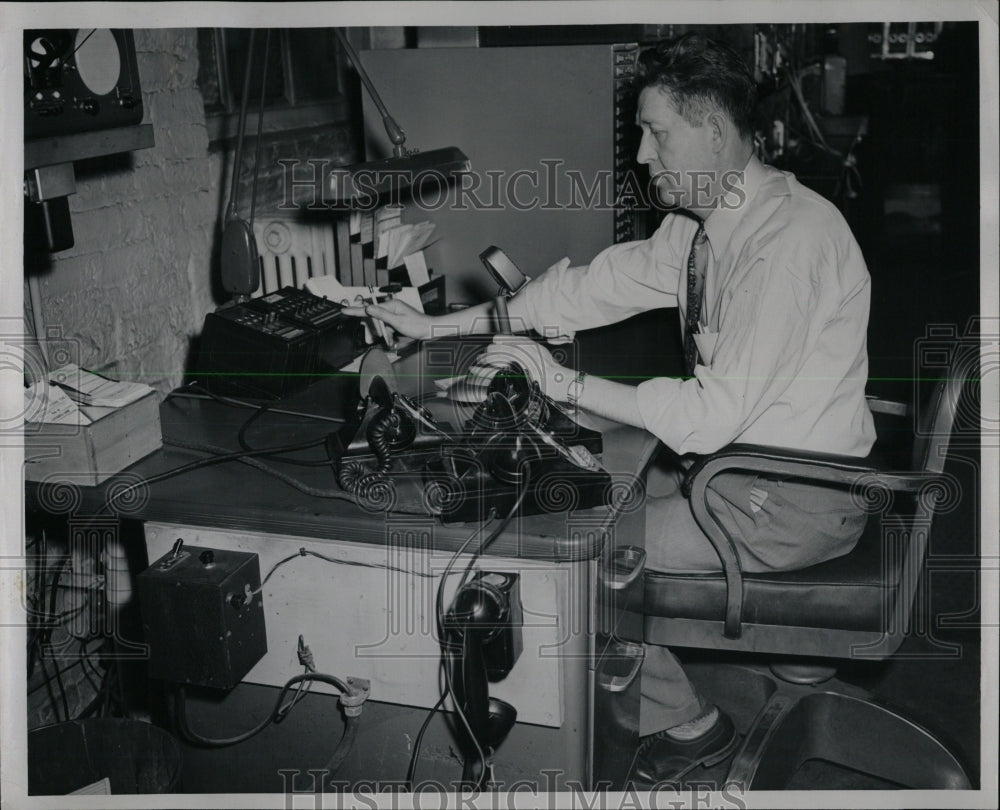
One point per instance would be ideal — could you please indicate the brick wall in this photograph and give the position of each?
(135, 287)
(133, 291)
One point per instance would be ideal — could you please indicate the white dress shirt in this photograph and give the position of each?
(783, 326)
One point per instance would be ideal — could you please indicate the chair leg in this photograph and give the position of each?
(798, 725)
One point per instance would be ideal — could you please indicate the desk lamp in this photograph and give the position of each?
(240, 263)
(404, 166)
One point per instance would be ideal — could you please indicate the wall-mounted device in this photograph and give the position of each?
(78, 80)
(272, 346)
(203, 615)
(484, 637)
(77, 84)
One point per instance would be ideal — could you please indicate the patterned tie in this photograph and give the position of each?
(697, 261)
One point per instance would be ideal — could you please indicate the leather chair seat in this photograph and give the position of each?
(853, 592)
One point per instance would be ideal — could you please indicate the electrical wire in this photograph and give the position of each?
(194, 737)
(39, 568)
(48, 687)
(242, 403)
(250, 458)
(307, 661)
(53, 594)
(220, 455)
(304, 552)
(245, 445)
(445, 646)
(415, 755)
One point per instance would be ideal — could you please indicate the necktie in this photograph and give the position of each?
(697, 261)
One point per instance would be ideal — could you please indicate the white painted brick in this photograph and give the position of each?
(138, 282)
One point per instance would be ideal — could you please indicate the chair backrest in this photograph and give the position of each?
(935, 422)
(937, 419)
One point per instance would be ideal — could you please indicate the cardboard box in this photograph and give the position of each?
(87, 455)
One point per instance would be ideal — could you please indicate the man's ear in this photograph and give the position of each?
(720, 129)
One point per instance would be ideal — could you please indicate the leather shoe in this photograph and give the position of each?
(662, 758)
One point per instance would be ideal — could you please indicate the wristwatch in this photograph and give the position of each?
(575, 389)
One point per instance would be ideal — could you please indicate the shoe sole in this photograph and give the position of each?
(709, 761)
(704, 762)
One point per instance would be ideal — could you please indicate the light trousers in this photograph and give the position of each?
(777, 525)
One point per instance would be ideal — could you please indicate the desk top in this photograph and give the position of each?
(233, 495)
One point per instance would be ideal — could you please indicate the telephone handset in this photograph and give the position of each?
(385, 423)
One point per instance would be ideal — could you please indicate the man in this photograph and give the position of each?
(773, 295)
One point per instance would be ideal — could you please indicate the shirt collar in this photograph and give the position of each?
(721, 223)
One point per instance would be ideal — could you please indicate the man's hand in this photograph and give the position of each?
(535, 359)
(401, 317)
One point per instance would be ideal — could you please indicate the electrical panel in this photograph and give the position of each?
(629, 194)
(202, 616)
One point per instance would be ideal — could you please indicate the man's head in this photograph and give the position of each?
(696, 107)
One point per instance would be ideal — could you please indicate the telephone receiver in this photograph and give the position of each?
(481, 626)
(385, 423)
(375, 396)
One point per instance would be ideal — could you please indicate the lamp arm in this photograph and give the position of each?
(392, 129)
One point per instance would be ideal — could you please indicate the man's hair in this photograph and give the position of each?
(696, 72)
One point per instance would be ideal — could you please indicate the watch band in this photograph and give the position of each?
(575, 389)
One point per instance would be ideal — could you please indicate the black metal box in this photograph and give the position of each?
(202, 616)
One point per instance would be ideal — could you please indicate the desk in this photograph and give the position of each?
(375, 620)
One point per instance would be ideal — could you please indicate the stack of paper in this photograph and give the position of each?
(88, 388)
(56, 401)
(371, 245)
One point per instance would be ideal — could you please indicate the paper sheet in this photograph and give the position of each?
(88, 388)
(416, 268)
(51, 405)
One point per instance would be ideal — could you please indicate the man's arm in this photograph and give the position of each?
(612, 400)
(621, 281)
(410, 322)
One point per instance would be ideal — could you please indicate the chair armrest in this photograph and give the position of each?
(887, 406)
(820, 468)
(829, 468)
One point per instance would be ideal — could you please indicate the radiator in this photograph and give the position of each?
(292, 252)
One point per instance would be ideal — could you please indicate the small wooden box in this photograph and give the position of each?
(87, 455)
